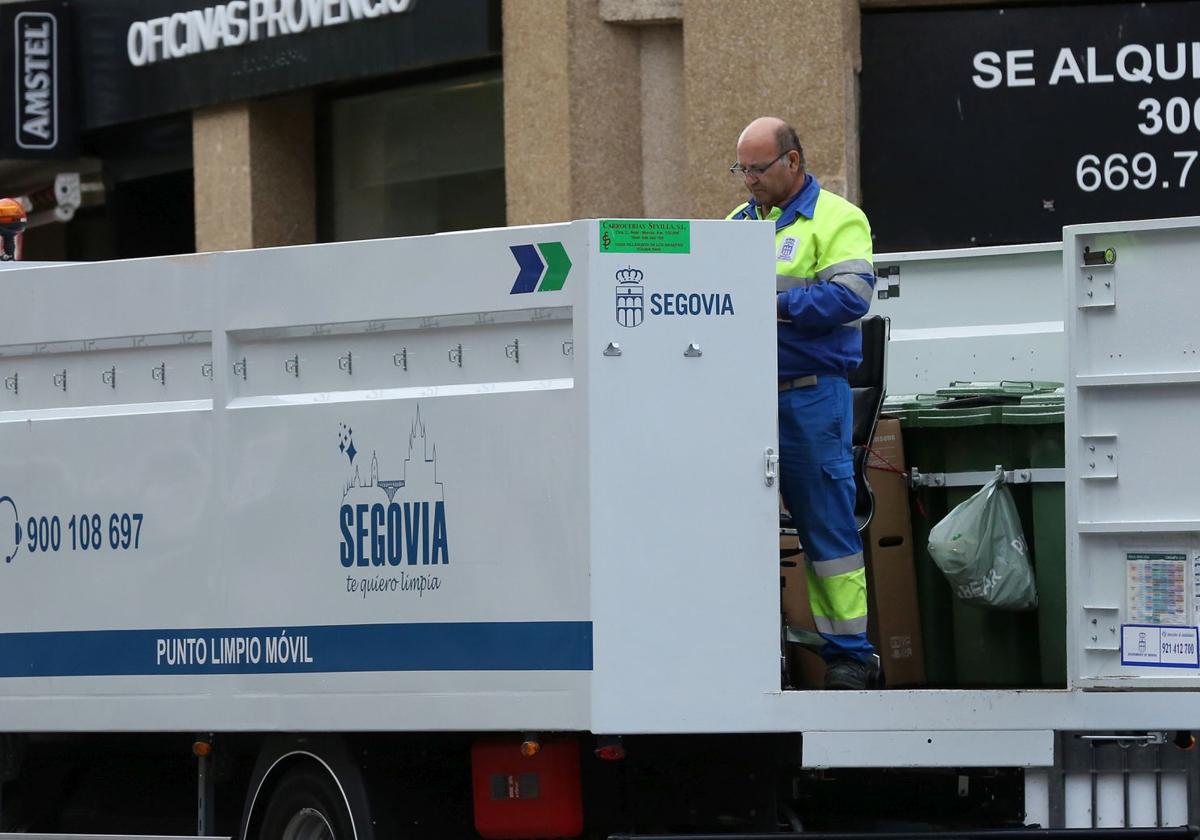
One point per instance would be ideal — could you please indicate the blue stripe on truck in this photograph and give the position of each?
(463, 646)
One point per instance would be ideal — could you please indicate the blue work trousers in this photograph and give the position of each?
(817, 483)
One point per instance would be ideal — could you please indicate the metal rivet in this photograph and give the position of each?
(613, 349)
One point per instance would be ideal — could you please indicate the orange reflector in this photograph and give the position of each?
(1185, 740)
(530, 747)
(610, 752)
(11, 211)
(201, 749)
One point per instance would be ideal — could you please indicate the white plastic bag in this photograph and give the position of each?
(981, 550)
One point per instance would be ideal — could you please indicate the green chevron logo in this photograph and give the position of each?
(547, 263)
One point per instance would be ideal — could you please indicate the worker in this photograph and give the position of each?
(824, 280)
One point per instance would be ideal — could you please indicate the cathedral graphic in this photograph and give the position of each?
(395, 514)
(418, 470)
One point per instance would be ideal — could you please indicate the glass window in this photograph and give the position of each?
(418, 159)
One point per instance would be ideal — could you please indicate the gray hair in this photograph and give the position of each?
(787, 140)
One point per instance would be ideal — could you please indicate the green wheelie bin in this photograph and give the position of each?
(973, 428)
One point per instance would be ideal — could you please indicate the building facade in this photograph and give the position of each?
(252, 123)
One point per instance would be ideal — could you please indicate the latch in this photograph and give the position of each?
(887, 282)
(1097, 279)
(1101, 628)
(1098, 456)
(1150, 739)
(771, 465)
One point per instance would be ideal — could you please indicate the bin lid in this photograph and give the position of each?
(904, 406)
(1005, 387)
(963, 394)
(1038, 409)
(1057, 397)
(970, 415)
(962, 403)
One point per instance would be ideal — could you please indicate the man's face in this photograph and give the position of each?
(770, 176)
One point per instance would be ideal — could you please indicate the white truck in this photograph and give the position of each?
(476, 534)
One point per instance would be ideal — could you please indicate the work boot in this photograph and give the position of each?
(847, 673)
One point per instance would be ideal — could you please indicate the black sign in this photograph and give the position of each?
(996, 126)
(38, 119)
(146, 58)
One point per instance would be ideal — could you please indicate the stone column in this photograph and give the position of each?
(572, 113)
(664, 114)
(255, 176)
(798, 61)
(633, 107)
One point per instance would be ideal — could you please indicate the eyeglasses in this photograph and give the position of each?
(757, 171)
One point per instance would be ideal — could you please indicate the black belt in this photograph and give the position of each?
(798, 382)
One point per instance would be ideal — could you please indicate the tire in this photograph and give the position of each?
(307, 804)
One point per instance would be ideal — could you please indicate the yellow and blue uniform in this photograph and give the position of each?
(824, 282)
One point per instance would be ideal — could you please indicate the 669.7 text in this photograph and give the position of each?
(1140, 171)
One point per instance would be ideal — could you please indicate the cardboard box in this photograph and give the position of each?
(806, 668)
(895, 617)
(894, 623)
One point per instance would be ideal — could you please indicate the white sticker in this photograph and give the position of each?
(1160, 647)
(787, 249)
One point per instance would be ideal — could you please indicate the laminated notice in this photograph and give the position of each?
(1156, 590)
(1159, 647)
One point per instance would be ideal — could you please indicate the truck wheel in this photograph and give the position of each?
(307, 804)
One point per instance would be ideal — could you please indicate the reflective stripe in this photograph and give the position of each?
(783, 282)
(847, 627)
(855, 284)
(846, 267)
(838, 599)
(838, 565)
